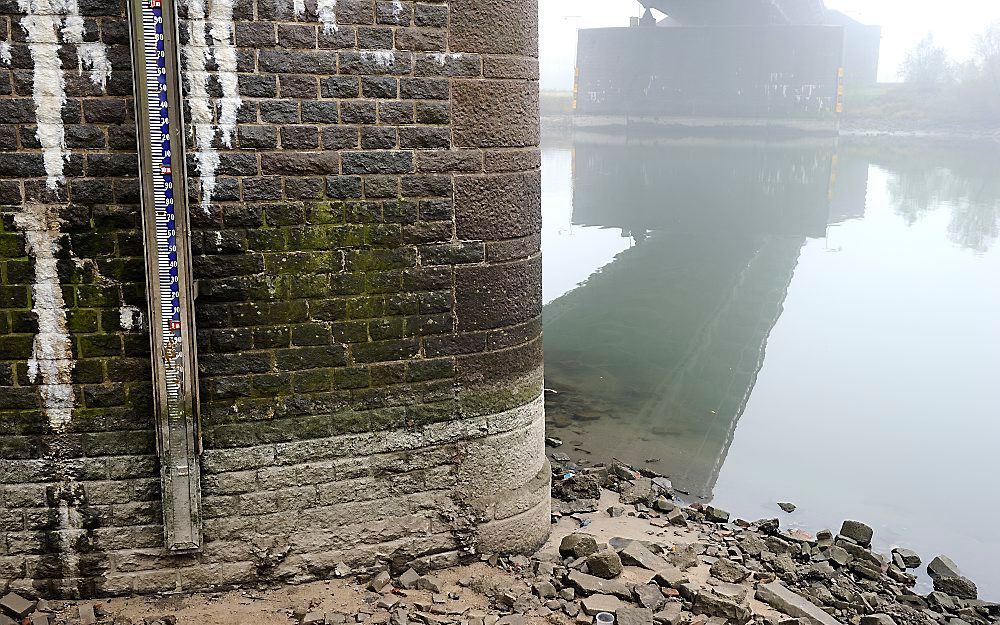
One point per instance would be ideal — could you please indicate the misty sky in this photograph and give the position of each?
(904, 22)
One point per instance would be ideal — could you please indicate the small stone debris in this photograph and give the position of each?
(781, 598)
(704, 569)
(858, 532)
(379, 582)
(578, 545)
(16, 606)
(87, 614)
(957, 586)
(877, 619)
(552, 441)
(636, 554)
(943, 566)
(729, 571)
(716, 515)
(601, 603)
(605, 564)
(787, 507)
(409, 579)
(908, 558)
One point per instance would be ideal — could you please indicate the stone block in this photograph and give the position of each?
(501, 206)
(495, 113)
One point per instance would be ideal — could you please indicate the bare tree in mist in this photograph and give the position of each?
(927, 64)
(988, 60)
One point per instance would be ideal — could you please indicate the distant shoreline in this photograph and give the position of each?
(849, 129)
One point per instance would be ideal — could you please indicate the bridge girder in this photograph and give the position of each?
(740, 12)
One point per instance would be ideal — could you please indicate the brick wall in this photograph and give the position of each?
(365, 202)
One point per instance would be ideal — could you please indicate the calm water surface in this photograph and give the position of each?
(786, 321)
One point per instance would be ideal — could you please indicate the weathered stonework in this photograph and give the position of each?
(365, 201)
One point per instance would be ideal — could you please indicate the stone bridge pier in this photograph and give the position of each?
(364, 192)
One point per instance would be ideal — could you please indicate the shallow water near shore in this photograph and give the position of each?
(798, 320)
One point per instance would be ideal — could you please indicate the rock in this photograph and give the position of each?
(639, 491)
(512, 619)
(314, 618)
(787, 507)
(689, 590)
(943, 566)
(910, 559)
(729, 571)
(733, 592)
(41, 618)
(670, 577)
(649, 596)
(552, 441)
(669, 615)
(636, 554)
(683, 557)
(379, 582)
(577, 545)
(858, 532)
(941, 600)
(605, 564)
(591, 585)
(616, 511)
(409, 579)
(601, 603)
(87, 615)
(634, 616)
(877, 619)
(677, 517)
(663, 504)
(839, 555)
(545, 590)
(580, 486)
(779, 597)
(860, 553)
(427, 582)
(958, 586)
(16, 605)
(709, 603)
(716, 515)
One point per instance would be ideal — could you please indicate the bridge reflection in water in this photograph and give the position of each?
(654, 357)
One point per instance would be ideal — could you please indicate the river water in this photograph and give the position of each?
(815, 322)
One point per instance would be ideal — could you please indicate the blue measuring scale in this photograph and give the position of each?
(168, 266)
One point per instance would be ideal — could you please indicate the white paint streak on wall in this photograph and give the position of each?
(130, 318)
(196, 53)
(41, 26)
(397, 9)
(383, 59)
(5, 52)
(326, 10)
(51, 364)
(221, 20)
(441, 57)
(298, 7)
(92, 55)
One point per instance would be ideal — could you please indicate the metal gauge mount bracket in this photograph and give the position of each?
(166, 228)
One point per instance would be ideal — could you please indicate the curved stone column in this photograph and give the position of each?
(365, 200)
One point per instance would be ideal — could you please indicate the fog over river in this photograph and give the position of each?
(800, 321)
